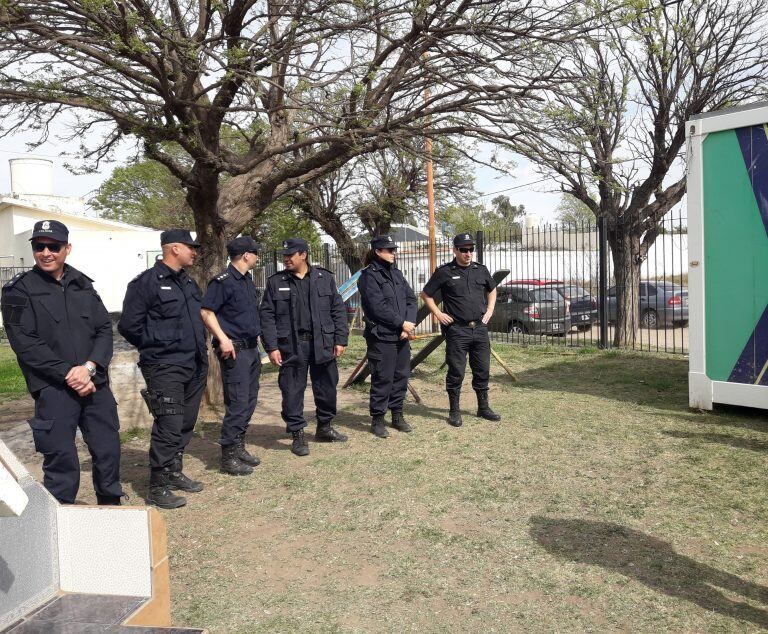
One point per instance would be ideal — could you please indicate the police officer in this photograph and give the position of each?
(161, 317)
(389, 306)
(231, 314)
(469, 297)
(62, 336)
(304, 328)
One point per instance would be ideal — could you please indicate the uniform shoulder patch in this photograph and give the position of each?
(12, 282)
(12, 308)
(222, 276)
(139, 276)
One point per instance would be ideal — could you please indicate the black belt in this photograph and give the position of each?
(306, 336)
(468, 324)
(242, 344)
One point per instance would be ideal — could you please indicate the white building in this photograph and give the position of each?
(111, 253)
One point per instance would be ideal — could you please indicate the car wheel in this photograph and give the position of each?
(649, 319)
(584, 327)
(516, 328)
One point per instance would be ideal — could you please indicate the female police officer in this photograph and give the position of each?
(389, 306)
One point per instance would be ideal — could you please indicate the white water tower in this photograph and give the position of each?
(31, 176)
(532, 221)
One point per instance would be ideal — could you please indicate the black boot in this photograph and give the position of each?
(378, 428)
(242, 453)
(107, 500)
(178, 481)
(483, 409)
(326, 433)
(160, 493)
(454, 413)
(231, 462)
(299, 446)
(399, 423)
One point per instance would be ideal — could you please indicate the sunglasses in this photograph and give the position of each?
(467, 249)
(39, 247)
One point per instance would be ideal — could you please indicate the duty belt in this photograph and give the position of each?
(240, 344)
(468, 324)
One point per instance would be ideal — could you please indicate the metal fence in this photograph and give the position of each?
(552, 292)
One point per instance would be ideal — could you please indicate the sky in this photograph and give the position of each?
(489, 182)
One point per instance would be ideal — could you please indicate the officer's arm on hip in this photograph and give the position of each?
(30, 348)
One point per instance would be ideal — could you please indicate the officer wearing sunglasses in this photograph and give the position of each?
(469, 297)
(62, 336)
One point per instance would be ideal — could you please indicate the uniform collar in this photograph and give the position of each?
(237, 274)
(456, 265)
(71, 275)
(163, 270)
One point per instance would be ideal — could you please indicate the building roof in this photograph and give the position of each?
(7, 202)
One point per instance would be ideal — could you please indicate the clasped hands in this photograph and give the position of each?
(79, 379)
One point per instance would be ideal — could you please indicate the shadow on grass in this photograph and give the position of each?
(641, 380)
(650, 561)
(724, 439)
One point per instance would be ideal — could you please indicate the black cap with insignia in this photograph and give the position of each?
(294, 245)
(383, 242)
(463, 239)
(50, 229)
(172, 236)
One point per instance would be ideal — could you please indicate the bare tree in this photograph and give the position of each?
(612, 135)
(305, 85)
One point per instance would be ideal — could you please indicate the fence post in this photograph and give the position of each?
(327, 256)
(479, 244)
(602, 297)
(274, 261)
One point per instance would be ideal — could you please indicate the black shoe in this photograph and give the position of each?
(326, 433)
(231, 462)
(242, 453)
(178, 481)
(107, 500)
(160, 494)
(454, 413)
(378, 428)
(399, 423)
(483, 408)
(299, 445)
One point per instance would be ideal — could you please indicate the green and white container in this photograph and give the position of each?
(728, 257)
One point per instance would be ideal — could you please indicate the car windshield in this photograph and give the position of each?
(574, 292)
(546, 295)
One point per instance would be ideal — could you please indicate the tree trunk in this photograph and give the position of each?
(625, 250)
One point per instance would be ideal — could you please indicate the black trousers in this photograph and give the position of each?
(463, 340)
(241, 390)
(292, 380)
(59, 411)
(390, 363)
(171, 432)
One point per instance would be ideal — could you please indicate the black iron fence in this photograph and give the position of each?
(553, 292)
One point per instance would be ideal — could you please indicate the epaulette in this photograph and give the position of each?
(442, 266)
(276, 274)
(222, 276)
(139, 275)
(12, 282)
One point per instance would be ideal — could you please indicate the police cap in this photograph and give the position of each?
(294, 245)
(50, 229)
(243, 244)
(463, 239)
(383, 242)
(171, 236)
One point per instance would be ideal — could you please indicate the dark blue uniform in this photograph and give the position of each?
(465, 298)
(232, 296)
(305, 351)
(161, 317)
(52, 326)
(388, 302)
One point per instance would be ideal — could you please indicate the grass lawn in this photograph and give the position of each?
(12, 384)
(600, 503)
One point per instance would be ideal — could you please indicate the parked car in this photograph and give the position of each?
(583, 306)
(526, 308)
(661, 304)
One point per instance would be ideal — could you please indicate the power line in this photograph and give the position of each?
(509, 189)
